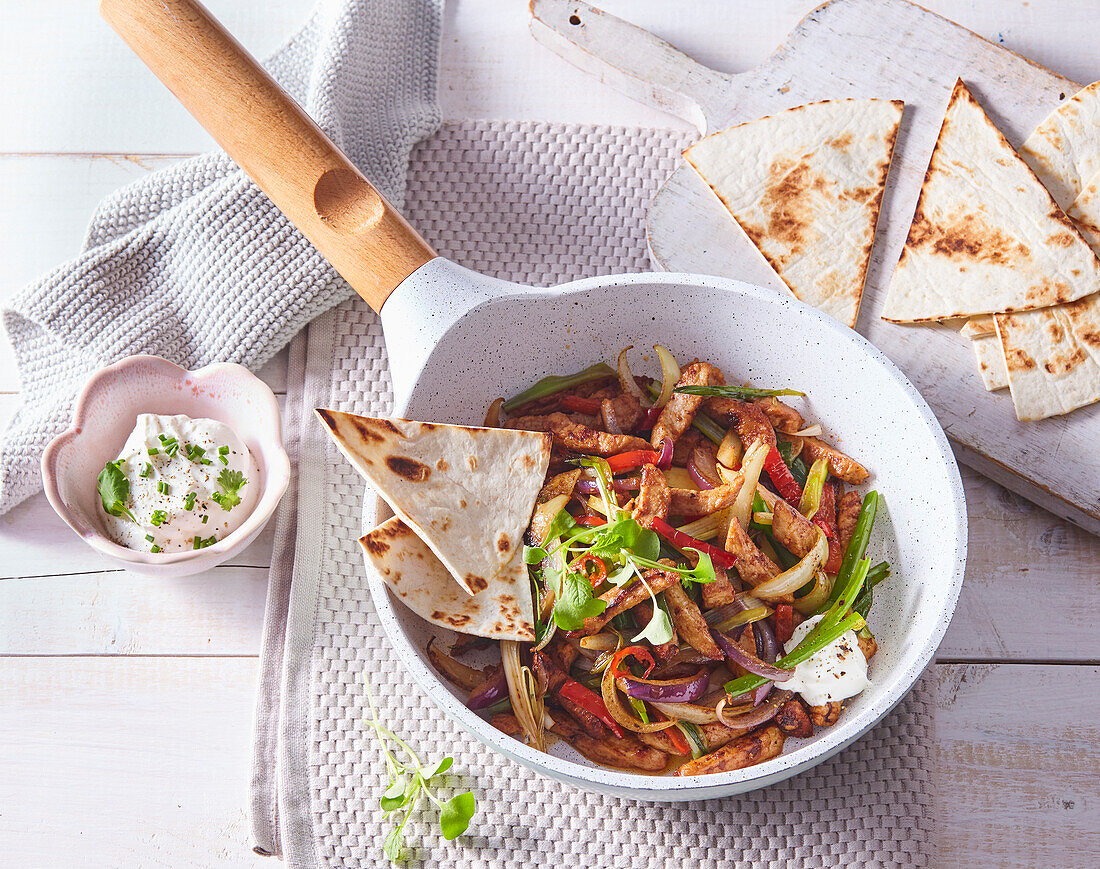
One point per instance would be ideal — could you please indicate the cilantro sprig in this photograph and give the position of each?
(114, 490)
(409, 780)
(230, 484)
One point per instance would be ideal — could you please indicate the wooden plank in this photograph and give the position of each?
(144, 784)
(125, 762)
(219, 612)
(1017, 765)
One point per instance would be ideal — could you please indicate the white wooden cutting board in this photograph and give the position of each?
(889, 49)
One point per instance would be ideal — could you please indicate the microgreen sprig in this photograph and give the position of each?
(230, 483)
(407, 781)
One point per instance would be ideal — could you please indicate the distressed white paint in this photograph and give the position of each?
(130, 760)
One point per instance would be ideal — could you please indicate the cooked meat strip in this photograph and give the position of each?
(591, 724)
(748, 419)
(563, 652)
(720, 592)
(619, 600)
(847, 512)
(794, 531)
(702, 502)
(506, 722)
(676, 416)
(623, 409)
(625, 753)
(827, 715)
(794, 720)
(868, 645)
(747, 750)
(689, 622)
(753, 566)
(653, 497)
(574, 436)
(842, 466)
(598, 389)
(685, 444)
(782, 416)
(550, 676)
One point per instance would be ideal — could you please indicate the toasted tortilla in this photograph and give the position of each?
(1085, 211)
(502, 611)
(986, 236)
(1052, 357)
(806, 186)
(468, 492)
(991, 362)
(1064, 150)
(979, 327)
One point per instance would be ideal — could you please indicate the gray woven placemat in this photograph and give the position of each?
(538, 203)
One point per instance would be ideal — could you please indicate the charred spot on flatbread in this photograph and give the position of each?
(456, 621)
(503, 543)
(410, 469)
(442, 465)
(476, 583)
(1017, 360)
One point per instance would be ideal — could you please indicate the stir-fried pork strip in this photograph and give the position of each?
(689, 622)
(841, 466)
(654, 496)
(746, 418)
(847, 512)
(578, 437)
(619, 600)
(625, 753)
(782, 416)
(747, 750)
(677, 415)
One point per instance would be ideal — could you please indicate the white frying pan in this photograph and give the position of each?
(457, 340)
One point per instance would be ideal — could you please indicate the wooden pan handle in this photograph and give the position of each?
(272, 138)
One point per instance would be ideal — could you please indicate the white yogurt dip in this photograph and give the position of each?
(183, 474)
(837, 672)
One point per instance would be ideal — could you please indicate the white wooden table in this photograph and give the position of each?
(126, 703)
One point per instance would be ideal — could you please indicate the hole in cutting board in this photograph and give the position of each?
(344, 200)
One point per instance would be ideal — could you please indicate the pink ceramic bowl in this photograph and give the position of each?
(106, 411)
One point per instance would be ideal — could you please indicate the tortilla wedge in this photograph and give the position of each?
(1085, 211)
(979, 327)
(806, 186)
(468, 492)
(991, 362)
(1064, 150)
(1052, 358)
(503, 611)
(986, 237)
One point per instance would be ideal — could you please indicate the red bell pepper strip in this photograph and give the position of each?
(680, 540)
(580, 405)
(590, 521)
(784, 622)
(675, 735)
(631, 460)
(782, 477)
(641, 653)
(598, 572)
(591, 702)
(825, 519)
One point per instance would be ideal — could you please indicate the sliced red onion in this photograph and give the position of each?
(489, 692)
(626, 484)
(767, 647)
(701, 465)
(682, 690)
(763, 713)
(665, 461)
(700, 481)
(750, 662)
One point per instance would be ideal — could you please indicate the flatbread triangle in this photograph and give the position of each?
(806, 186)
(468, 492)
(503, 611)
(986, 237)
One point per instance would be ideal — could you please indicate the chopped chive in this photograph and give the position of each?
(153, 451)
(225, 461)
(189, 501)
(196, 543)
(149, 537)
(204, 518)
(163, 488)
(195, 453)
(147, 471)
(155, 548)
(223, 451)
(158, 518)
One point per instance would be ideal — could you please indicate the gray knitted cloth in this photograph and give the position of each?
(194, 263)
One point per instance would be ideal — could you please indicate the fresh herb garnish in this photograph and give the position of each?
(196, 453)
(230, 483)
(201, 543)
(149, 537)
(741, 393)
(204, 518)
(407, 781)
(158, 518)
(189, 501)
(147, 471)
(171, 445)
(114, 490)
(223, 451)
(153, 451)
(164, 488)
(155, 548)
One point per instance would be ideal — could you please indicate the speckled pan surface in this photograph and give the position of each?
(105, 412)
(513, 336)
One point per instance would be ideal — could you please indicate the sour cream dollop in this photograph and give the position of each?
(837, 672)
(175, 466)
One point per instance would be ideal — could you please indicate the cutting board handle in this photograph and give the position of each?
(273, 139)
(632, 60)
